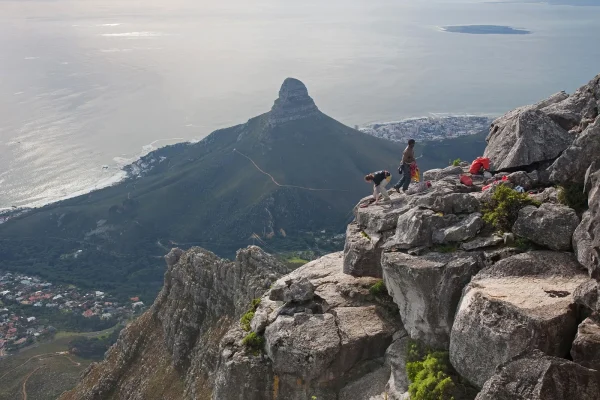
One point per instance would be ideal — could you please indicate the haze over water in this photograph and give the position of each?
(88, 86)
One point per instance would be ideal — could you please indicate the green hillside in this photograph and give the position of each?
(209, 194)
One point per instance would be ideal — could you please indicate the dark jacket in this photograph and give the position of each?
(380, 176)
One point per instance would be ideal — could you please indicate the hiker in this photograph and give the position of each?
(380, 180)
(408, 158)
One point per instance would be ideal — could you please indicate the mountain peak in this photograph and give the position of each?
(292, 104)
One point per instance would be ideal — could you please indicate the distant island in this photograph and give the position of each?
(485, 30)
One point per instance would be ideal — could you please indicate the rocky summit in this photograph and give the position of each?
(454, 292)
(292, 104)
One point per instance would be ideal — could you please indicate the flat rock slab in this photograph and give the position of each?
(537, 376)
(586, 347)
(427, 290)
(482, 242)
(520, 303)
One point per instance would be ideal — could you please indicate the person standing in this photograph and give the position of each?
(408, 157)
(380, 180)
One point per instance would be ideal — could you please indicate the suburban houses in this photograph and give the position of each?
(26, 304)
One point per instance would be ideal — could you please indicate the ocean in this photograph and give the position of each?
(87, 87)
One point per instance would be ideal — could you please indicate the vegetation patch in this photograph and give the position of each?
(523, 244)
(247, 317)
(446, 248)
(429, 373)
(456, 163)
(573, 196)
(254, 342)
(378, 288)
(503, 209)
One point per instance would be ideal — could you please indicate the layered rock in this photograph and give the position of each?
(550, 225)
(293, 103)
(362, 252)
(171, 351)
(537, 376)
(520, 303)
(427, 290)
(321, 347)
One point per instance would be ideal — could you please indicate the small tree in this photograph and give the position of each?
(502, 210)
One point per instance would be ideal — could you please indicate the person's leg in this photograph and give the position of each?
(398, 185)
(375, 192)
(406, 179)
(383, 190)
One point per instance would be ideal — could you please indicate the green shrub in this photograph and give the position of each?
(522, 244)
(456, 163)
(573, 196)
(430, 379)
(247, 317)
(378, 288)
(254, 342)
(365, 235)
(503, 209)
(447, 248)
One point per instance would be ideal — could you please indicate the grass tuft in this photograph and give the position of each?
(573, 196)
(247, 317)
(378, 288)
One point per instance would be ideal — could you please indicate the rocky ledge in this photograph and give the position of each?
(515, 312)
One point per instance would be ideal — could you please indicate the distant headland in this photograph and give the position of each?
(485, 30)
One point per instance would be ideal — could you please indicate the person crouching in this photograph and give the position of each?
(380, 180)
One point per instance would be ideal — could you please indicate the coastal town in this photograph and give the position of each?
(32, 309)
(434, 127)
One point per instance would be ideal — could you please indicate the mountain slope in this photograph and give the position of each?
(210, 194)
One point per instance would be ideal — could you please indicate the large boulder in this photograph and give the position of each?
(550, 225)
(586, 347)
(587, 295)
(572, 164)
(586, 239)
(427, 290)
(465, 229)
(415, 228)
(536, 376)
(362, 252)
(520, 303)
(326, 346)
(525, 137)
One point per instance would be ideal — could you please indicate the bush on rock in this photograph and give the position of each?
(503, 209)
(573, 196)
(247, 317)
(429, 375)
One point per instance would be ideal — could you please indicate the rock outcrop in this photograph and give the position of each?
(172, 350)
(586, 347)
(550, 225)
(323, 347)
(520, 303)
(427, 290)
(293, 103)
(536, 376)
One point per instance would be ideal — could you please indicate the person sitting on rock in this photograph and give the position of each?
(408, 158)
(380, 180)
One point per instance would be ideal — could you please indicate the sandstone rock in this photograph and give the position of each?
(378, 219)
(336, 349)
(521, 178)
(587, 295)
(525, 137)
(456, 203)
(586, 347)
(549, 225)
(415, 228)
(396, 357)
(362, 253)
(581, 106)
(427, 290)
(292, 291)
(177, 339)
(586, 239)
(520, 303)
(536, 376)
(439, 173)
(572, 164)
(463, 230)
(293, 103)
(482, 242)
